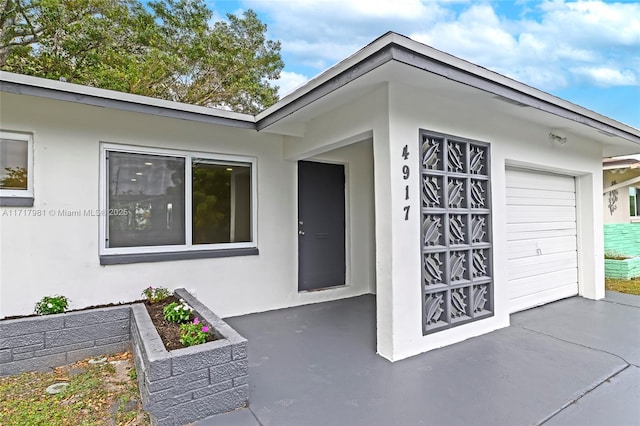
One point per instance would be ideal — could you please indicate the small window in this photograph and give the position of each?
(160, 201)
(16, 174)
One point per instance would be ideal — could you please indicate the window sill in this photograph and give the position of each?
(121, 259)
(16, 201)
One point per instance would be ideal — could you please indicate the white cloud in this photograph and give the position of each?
(606, 77)
(289, 81)
(550, 45)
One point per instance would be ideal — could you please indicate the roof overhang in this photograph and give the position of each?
(393, 57)
(390, 58)
(620, 163)
(52, 89)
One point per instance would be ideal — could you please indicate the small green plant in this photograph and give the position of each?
(156, 294)
(52, 305)
(194, 333)
(612, 255)
(177, 312)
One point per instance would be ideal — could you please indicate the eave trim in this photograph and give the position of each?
(123, 105)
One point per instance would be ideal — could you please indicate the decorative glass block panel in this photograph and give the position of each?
(456, 239)
(433, 230)
(457, 229)
(432, 191)
(478, 157)
(435, 305)
(479, 194)
(456, 157)
(480, 263)
(481, 299)
(432, 153)
(459, 303)
(433, 268)
(458, 265)
(479, 229)
(457, 193)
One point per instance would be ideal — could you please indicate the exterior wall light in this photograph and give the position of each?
(557, 137)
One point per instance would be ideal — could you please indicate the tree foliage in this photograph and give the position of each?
(167, 49)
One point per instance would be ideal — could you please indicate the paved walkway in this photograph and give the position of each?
(572, 362)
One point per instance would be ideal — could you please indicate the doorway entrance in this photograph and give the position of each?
(321, 225)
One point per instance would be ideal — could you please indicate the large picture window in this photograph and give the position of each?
(159, 201)
(16, 171)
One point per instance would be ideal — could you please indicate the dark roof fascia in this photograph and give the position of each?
(85, 99)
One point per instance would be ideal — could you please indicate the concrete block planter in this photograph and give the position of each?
(624, 269)
(176, 387)
(185, 385)
(40, 343)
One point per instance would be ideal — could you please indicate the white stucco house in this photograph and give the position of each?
(621, 181)
(454, 194)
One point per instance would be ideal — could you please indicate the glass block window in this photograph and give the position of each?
(457, 276)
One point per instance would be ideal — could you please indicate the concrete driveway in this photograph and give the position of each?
(572, 362)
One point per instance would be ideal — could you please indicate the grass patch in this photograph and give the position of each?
(96, 394)
(623, 286)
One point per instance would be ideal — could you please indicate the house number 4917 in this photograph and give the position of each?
(406, 171)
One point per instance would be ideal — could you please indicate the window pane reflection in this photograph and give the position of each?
(146, 200)
(13, 164)
(221, 202)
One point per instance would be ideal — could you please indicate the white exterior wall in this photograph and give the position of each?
(366, 117)
(513, 142)
(622, 212)
(53, 254)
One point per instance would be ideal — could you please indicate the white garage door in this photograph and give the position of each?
(541, 238)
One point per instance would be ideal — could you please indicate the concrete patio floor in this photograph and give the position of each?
(572, 362)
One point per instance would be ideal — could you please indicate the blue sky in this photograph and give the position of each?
(587, 52)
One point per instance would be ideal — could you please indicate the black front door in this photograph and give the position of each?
(321, 244)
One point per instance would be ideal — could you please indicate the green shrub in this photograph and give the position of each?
(194, 333)
(156, 294)
(52, 305)
(177, 312)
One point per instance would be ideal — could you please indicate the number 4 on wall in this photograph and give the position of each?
(405, 152)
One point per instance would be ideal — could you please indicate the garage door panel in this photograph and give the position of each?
(549, 233)
(540, 246)
(561, 292)
(535, 201)
(545, 194)
(535, 228)
(543, 264)
(530, 286)
(534, 180)
(529, 214)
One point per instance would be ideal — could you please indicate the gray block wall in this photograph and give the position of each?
(43, 342)
(189, 384)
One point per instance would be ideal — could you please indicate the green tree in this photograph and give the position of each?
(168, 50)
(15, 178)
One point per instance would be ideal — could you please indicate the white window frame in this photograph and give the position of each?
(188, 156)
(28, 138)
(636, 201)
